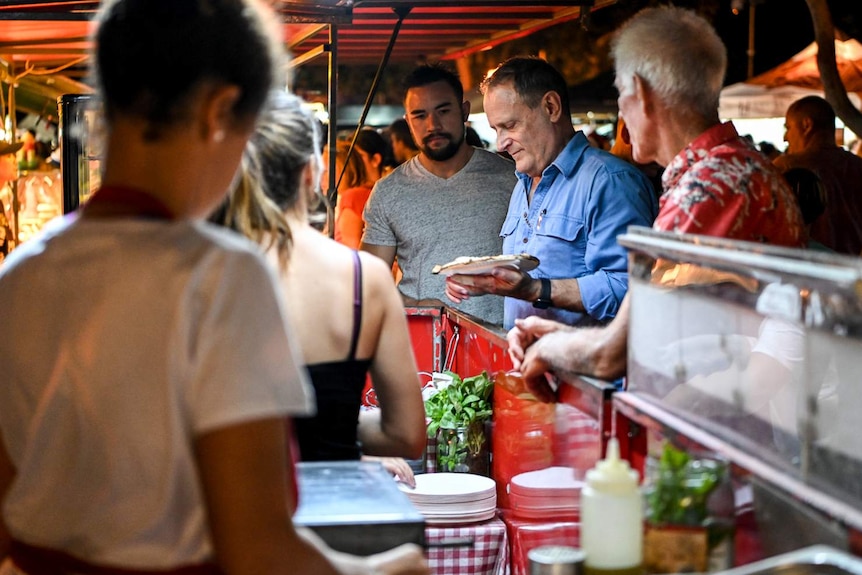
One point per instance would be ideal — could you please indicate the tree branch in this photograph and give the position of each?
(833, 87)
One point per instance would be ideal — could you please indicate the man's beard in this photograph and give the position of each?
(447, 151)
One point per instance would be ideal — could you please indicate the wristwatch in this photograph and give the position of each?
(544, 301)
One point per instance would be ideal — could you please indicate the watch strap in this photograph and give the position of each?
(544, 301)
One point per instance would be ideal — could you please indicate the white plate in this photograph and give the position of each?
(454, 499)
(515, 262)
(449, 488)
(551, 481)
(456, 511)
(457, 507)
(458, 519)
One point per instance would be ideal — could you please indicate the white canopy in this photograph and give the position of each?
(769, 94)
(743, 100)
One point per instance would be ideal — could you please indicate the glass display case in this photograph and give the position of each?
(751, 354)
(81, 143)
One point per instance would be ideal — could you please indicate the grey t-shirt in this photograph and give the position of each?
(432, 220)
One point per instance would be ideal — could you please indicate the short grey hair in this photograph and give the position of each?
(677, 53)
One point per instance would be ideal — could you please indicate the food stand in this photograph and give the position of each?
(740, 354)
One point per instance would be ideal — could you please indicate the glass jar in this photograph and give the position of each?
(464, 449)
(524, 435)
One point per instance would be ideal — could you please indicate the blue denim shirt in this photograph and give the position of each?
(585, 198)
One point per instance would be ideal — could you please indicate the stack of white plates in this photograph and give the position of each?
(447, 498)
(553, 493)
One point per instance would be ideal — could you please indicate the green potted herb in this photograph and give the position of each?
(684, 532)
(457, 414)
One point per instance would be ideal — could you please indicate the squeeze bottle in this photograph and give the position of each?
(612, 517)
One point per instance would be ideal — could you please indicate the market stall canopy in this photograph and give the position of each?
(49, 38)
(744, 100)
(37, 94)
(48, 34)
(430, 30)
(801, 70)
(768, 95)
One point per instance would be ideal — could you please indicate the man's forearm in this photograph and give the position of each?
(600, 352)
(566, 294)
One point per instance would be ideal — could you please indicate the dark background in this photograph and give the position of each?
(782, 28)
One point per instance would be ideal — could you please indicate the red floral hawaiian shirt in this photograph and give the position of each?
(720, 185)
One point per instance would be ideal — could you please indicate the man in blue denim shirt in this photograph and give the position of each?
(569, 205)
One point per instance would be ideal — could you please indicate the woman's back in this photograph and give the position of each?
(320, 287)
(281, 168)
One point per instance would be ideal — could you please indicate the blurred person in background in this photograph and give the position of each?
(670, 66)
(622, 148)
(448, 201)
(598, 141)
(373, 151)
(473, 138)
(142, 428)
(281, 168)
(353, 191)
(8, 174)
(768, 149)
(401, 142)
(809, 130)
(811, 195)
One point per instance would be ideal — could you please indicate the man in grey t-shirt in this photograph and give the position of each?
(448, 201)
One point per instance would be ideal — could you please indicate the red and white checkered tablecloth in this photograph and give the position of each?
(431, 455)
(577, 440)
(489, 554)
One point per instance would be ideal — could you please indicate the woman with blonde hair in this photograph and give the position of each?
(342, 302)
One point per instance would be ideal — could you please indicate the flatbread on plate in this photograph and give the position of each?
(483, 265)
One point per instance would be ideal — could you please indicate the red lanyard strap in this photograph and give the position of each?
(119, 201)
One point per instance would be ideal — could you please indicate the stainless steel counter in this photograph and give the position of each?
(356, 507)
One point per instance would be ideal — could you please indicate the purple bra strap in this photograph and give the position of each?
(357, 304)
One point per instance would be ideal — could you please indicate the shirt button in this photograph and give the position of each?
(526, 240)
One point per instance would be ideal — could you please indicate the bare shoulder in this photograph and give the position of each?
(325, 254)
(336, 260)
(374, 268)
(379, 283)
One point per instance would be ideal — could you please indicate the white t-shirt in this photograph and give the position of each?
(122, 341)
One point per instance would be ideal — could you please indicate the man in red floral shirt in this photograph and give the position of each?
(720, 185)
(670, 67)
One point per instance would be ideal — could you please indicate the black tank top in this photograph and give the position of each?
(330, 435)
